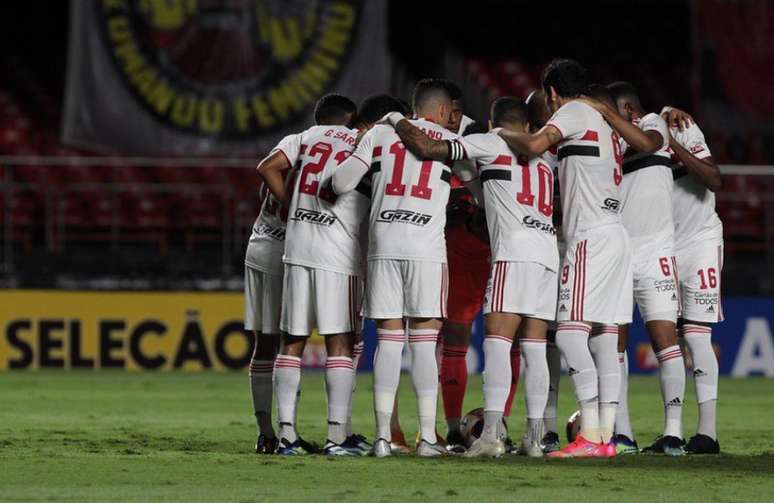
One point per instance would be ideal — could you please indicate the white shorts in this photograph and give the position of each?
(325, 300)
(406, 289)
(525, 288)
(263, 301)
(596, 277)
(699, 268)
(655, 288)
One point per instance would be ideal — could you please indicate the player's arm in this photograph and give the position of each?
(349, 172)
(705, 169)
(531, 144)
(271, 170)
(420, 144)
(647, 142)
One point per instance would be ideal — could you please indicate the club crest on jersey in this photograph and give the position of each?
(534, 223)
(611, 204)
(313, 217)
(404, 216)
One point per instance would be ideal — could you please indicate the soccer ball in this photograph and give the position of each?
(472, 425)
(573, 426)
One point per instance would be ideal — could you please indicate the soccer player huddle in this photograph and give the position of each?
(420, 218)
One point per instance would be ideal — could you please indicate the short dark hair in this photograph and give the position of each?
(427, 89)
(333, 109)
(475, 128)
(455, 93)
(375, 107)
(601, 93)
(508, 109)
(568, 78)
(623, 89)
(537, 110)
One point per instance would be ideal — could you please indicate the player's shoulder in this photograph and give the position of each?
(488, 140)
(693, 131)
(575, 107)
(434, 130)
(652, 120)
(380, 131)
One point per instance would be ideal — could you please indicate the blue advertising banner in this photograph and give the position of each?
(743, 342)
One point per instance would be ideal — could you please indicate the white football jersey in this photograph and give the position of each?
(408, 206)
(589, 169)
(646, 190)
(519, 200)
(323, 230)
(267, 240)
(693, 203)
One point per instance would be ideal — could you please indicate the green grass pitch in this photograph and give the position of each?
(142, 436)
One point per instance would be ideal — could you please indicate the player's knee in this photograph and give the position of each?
(292, 345)
(339, 344)
(456, 334)
(266, 346)
(662, 333)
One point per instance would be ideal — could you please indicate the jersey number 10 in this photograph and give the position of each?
(545, 187)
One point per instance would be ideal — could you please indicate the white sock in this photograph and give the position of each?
(357, 351)
(535, 377)
(554, 357)
(261, 375)
(497, 382)
(387, 363)
(572, 339)
(424, 375)
(287, 379)
(589, 420)
(623, 424)
(339, 375)
(604, 349)
(705, 375)
(672, 377)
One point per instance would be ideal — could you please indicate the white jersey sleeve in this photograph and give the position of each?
(692, 140)
(654, 122)
(290, 147)
(349, 173)
(693, 204)
(569, 120)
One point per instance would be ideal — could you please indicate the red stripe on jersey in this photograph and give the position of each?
(590, 136)
(377, 151)
(678, 292)
(502, 266)
(720, 270)
(496, 286)
(303, 149)
(576, 283)
(503, 160)
(583, 279)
